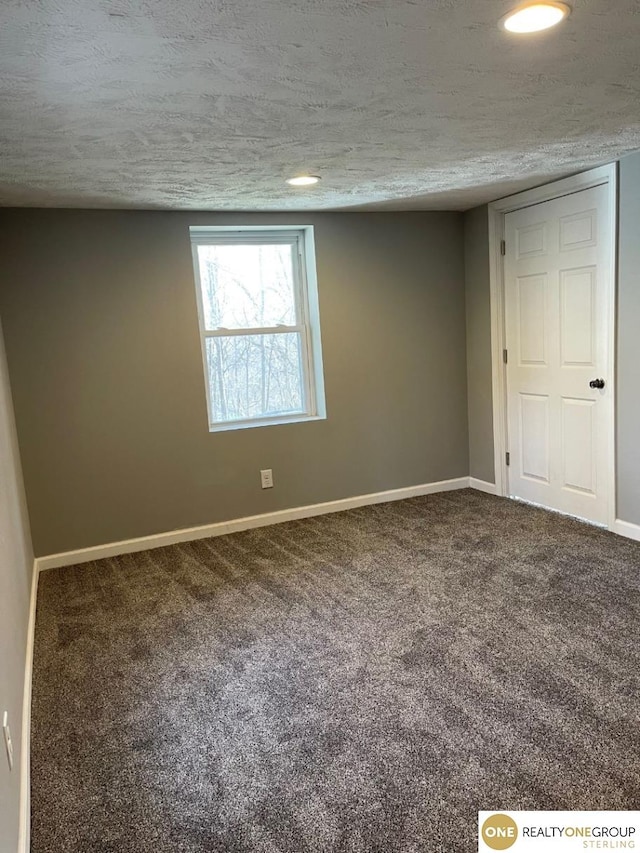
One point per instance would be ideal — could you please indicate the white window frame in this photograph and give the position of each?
(306, 308)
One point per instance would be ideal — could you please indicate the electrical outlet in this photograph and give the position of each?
(7, 739)
(266, 478)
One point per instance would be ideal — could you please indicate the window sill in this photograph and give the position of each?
(265, 422)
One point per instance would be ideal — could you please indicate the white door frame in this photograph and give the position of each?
(604, 175)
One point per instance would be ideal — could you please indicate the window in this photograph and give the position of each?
(259, 325)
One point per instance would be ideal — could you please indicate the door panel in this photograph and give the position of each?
(531, 240)
(531, 319)
(577, 317)
(578, 445)
(557, 285)
(534, 432)
(578, 231)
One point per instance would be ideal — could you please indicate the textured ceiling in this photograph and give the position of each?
(398, 104)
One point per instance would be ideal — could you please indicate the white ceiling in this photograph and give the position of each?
(398, 104)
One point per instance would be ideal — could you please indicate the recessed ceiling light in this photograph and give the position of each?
(533, 17)
(303, 180)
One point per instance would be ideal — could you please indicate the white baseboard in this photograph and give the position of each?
(24, 837)
(143, 543)
(483, 486)
(626, 528)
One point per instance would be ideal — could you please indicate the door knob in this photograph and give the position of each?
(596, 383)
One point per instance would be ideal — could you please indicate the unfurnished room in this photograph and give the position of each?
(319, 426)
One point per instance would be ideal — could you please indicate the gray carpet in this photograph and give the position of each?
(352, 683)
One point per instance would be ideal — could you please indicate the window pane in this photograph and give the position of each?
(246, 286)
(253, 376)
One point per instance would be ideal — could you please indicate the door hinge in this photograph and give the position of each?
(503, 247)
(505, 356)
(508, 457)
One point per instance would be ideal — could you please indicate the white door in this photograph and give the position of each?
(558, 286)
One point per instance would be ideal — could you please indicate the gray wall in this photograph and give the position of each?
(103, 348)
(628, 352)
(478, 309)
(16, 567)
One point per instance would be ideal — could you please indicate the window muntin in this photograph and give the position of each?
(255, 325)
